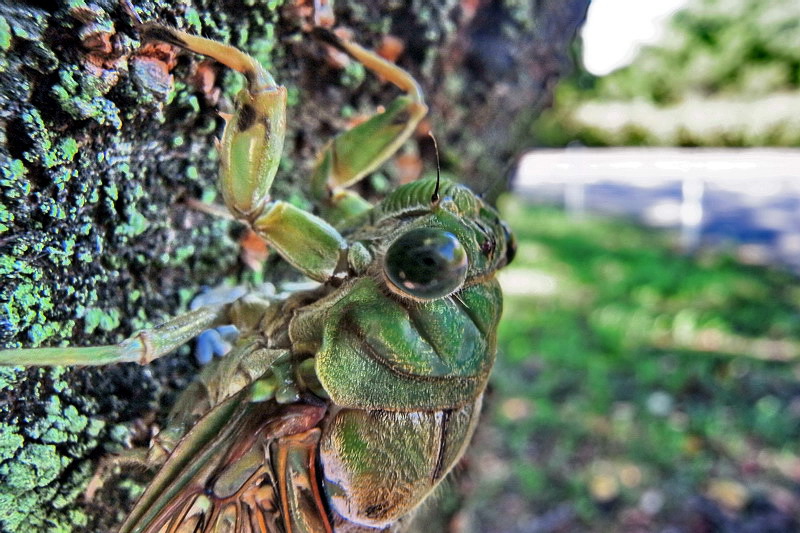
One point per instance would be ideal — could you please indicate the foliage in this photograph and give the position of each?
(633, 381)
(726, 73)
(716, 47)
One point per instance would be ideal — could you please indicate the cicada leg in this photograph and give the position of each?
(355, 153)
(216, 341)
(143, 347)
(250, 152)
(252, 142)
(150, 458)
(253, 139)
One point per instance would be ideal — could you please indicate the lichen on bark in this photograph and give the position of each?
(103, 139)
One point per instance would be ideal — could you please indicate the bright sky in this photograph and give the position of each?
(615, 29)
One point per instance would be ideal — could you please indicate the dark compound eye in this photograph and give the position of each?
(511, 243)
(426, 263)
(487, 247)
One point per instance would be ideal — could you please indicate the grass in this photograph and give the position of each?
(636, 388)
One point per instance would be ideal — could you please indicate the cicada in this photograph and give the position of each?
(342, 405)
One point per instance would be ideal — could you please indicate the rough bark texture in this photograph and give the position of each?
(103, 140)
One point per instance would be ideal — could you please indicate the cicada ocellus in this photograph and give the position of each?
(341, 406)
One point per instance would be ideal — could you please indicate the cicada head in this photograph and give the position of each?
(428, 249)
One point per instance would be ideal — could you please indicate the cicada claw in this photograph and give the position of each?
(214, 342)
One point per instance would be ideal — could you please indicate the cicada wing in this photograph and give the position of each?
(226, 474)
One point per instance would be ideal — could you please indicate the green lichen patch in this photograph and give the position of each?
(27, 305)
(10, 442)
(5, 34)
(82, 95)
(98, 318)
(43, 465)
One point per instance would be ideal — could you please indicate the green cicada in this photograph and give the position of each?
(342, 405)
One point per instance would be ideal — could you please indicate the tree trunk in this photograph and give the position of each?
(105, 143)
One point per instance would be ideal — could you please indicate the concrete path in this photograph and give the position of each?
(745, 198)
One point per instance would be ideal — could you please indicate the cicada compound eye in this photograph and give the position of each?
(511, 243)
(426, 263)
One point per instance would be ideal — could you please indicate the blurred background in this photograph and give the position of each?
(647, 376)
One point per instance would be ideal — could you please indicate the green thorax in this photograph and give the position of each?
(383, 349)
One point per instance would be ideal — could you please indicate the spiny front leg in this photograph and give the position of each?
(250, 152)
(252, 142)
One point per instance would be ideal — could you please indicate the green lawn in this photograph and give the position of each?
(635, 387)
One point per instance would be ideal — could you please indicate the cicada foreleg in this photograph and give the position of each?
(253, 139)
(252, 142)
(250, 153)
(355, 153)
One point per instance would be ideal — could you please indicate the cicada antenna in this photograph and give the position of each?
(435, 195)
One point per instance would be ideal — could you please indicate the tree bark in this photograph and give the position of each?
(106, 141)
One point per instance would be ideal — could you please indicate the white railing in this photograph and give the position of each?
(753, 192)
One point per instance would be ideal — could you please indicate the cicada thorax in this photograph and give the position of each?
(396, 394)
(404, 374)
(380, 344)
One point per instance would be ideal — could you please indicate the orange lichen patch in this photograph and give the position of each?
(100, 56)
(254, 250)
(391, 48)
(468, 8)
(304, 11)
(98, 38)
(98, 43)
(102, 48)
(204, 78)
(161, 52)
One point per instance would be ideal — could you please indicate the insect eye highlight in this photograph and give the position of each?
(426, 263)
